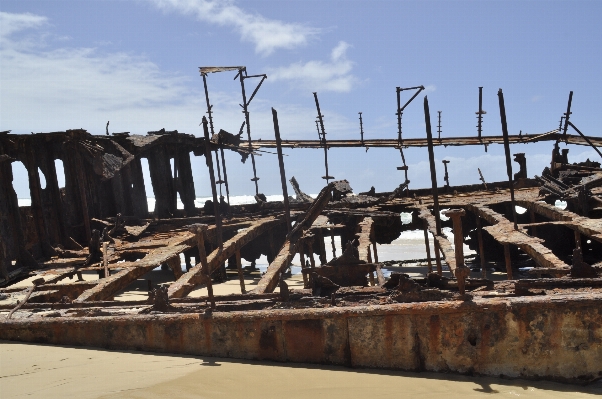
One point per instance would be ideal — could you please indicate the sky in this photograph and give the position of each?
(79, 64)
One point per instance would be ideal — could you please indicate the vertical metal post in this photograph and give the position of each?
(481, 249)
(209, 160)
(461, 271)
(105, 258)
(398, 114)
(480, 112)
(446, 176)
(241, 277)
(361, 127)
(428, 247)
(567, 115)
(210, 113)
(508, 261)
(438, 257)
(429, 137)
(439, 126)
(287, 211)
(221, 149)
(321, 120)
(507, 150)
(246, 112)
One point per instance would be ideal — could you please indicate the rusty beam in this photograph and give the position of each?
(270, 279)
(442, 244)
(502, 230)
(419, 142)
(185, 284)
(112, 284)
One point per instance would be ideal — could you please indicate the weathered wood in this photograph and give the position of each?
(185, 284)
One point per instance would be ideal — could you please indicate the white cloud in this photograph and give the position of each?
(56, 89)
(11, 23)
(266, 34)
(334, 75)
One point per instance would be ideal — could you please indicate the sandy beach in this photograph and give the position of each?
(43, 371)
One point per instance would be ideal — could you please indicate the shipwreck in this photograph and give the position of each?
(541, 319)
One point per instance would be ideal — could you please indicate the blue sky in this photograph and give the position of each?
(72, 64)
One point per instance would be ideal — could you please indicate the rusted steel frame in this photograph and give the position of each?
(200, 231)
(428, 247)
(461, 271)
(585, 138)
(23, 302)
(380, 278)
(442, 244)
(500, 95)
(193, 277)
(361, 336)
(400, 108)
(302, 260)
(480, 113)
(287, 210)
(364, 238)
(118, 281)
(502, 231)
(334, 248)
(567, 115)
(320, 118)
(592, 228)
(310, 252)
(361, 128)
(419, 142)
(36, 196)
(221, 149)
(364, 235)
(270, 279)
(175, 265)
(248, 123)
(398, 113)
(481, 247)
(81, 185)
(435, 192)
(241, 277)
(105, 258)
(209, 160)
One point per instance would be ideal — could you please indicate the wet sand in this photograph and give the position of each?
(42, 371)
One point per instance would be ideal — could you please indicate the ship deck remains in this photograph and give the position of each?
(527, 304)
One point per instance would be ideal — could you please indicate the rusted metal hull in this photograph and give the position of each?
(526, 337)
